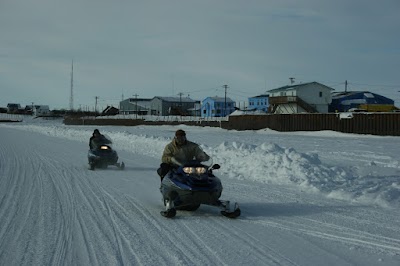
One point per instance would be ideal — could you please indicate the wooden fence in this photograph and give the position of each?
(359, 123)
(384, 124)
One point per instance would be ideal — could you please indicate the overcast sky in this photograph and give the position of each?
(122, 48)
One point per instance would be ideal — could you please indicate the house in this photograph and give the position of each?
(13, 108)
(217, 107)
(140, 106)
(259, 103)
(166, 106)
(41, 110)
(360, 100)
(28, 110)
(196, 110)
(312, 97)
(163, 106)
(110, 110)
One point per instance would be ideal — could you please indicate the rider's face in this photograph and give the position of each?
(180, 140)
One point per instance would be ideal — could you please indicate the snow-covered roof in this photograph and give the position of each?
(176, 99)
(295, 86)
(219, 99)
(359, 94)
(261, 96)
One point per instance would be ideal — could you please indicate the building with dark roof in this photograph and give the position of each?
(344, 101)
(158, 105)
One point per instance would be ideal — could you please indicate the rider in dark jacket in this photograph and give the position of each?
(95, 136)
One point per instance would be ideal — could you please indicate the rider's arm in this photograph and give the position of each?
(167, 154)
(90, 143)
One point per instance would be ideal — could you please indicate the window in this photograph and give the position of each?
(320, 94)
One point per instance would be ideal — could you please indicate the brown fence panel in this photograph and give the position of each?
(360, 123)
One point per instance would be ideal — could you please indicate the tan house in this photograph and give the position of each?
(312, 97)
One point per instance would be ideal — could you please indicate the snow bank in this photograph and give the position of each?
(267, 163)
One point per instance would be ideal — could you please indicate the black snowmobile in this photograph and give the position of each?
(102, 154)
(192, 184)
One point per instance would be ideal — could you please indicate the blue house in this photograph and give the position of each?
(343, 101)
(259, 103)
(217, 107)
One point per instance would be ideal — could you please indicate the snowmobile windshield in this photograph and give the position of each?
(102, 140)
(207, 164)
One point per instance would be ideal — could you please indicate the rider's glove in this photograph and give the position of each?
(175, 161)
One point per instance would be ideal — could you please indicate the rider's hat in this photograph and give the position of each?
(180, 132)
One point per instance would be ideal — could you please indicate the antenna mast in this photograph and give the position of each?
(71, 97)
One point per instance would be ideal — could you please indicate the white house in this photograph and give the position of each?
(312, 97)
(41, 110)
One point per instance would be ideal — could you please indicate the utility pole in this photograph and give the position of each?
(136, 104)
(71, 97)
(173, 84)
(291, 81)
(180, 103)
(226, 87)
(120, 104)
(95, 105)
(345, 86)
(180, 98)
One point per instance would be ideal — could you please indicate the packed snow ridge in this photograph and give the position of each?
(267, 163)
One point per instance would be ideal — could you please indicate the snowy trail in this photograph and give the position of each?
(54, 211)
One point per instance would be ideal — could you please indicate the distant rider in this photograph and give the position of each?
(178, 151)
(96, 136)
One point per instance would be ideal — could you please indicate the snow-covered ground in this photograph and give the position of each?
(307, 198)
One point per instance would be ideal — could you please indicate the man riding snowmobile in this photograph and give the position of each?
(187, 179)
(101, 154)
(180, 150)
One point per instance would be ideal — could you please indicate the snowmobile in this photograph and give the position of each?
(193, 183)
(102, 154)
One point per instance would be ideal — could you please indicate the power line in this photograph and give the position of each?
(240, 95)
(241, 92)
(71, 97)
(203, 90)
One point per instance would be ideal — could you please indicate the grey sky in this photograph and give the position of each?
(161, 48)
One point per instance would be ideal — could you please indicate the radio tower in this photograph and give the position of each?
(71, 97)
